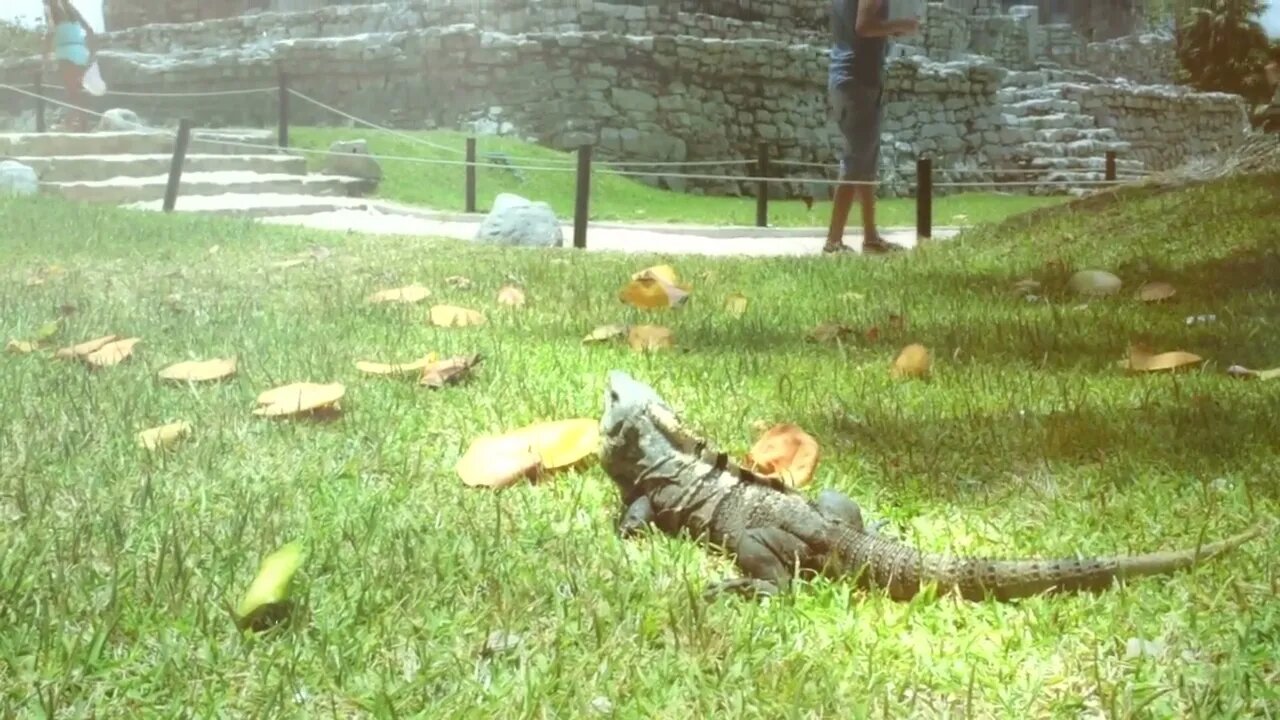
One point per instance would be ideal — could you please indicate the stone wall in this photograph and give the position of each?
(121, 14)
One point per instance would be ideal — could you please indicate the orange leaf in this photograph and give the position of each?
(200, 371)
(655, 287)
(912, 362)
(453, 316)
(441, 373)
(113, 353)
(649, 337)
(511, 296)
(298, 398)
(498, 461)
(785, 452)
(404, 295)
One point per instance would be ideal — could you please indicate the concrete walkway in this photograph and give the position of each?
(385, 219)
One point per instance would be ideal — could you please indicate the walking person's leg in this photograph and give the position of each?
(858, 109)
(73, 81)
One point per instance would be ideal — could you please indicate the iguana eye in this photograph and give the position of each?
(613, 396)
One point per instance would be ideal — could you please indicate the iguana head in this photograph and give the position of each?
(639, 430)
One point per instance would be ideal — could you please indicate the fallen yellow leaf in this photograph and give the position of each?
(113, 353)
(649, 337)
(1156, 291)
(441, 373)
(266, 599)
(604, 333)
(655, 287)
(163, 436)
(500, 460)
(298, 398)
(736, 305)
(511, 296)
(912, 362)
(785, 452)
(22, 347)
(665, 273)
(453, 316)
(85, 347)
(404, 295)
(1141, 359)
(200, 370)
(377, 368)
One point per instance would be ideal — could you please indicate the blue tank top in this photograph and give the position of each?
(854, 57)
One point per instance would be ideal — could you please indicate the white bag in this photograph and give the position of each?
(93, 82)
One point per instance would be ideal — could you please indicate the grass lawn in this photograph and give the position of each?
(614, 197)
(116, 566)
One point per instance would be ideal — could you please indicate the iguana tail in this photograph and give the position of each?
(903, 572)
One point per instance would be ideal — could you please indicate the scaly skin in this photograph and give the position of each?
(670, 478)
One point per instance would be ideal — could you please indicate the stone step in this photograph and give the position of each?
(136, 189)
(81, 168)
(1072, 134)
(204, 142)
(1049, 122)
(263, 204)
(1042, 106)
(1088, 164)
(1079, 148)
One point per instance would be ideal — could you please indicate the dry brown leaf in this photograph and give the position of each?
(163, 436)
(605, 333)
(113, 353)
(1156, 291)
(785, 452)
(1247, 374)
(498, 461)
(22, 347)
(655, 287)
(829, 331)
(458, 281)
(649, 337)
(872, 334)
(403, 295)
(453, 316)
(85, 347)
(511, 296)
(441, 373)
(200, 370)
(1094, 282)
(912, 362)
(736, 305)
(298, 398)
(1141, 359)
(377, 368)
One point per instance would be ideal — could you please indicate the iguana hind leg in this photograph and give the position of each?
(835, 505)
(767, 557)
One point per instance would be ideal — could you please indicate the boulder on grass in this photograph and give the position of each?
(352, 159)
(17, 180)
(120, 120)
(520, 222)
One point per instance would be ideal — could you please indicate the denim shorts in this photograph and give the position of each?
(858, 108)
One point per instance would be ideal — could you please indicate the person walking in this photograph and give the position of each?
(860, 30)
(70, 38)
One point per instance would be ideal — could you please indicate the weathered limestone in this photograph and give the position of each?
(519, 222)
(17, 180)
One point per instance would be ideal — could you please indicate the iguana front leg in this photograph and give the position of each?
(635, 517)
(767, 557)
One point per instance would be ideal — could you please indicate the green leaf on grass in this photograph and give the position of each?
(267, 598)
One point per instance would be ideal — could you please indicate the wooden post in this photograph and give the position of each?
(582, 202)
(175, 167)
(762, 188)
(1111, 166)
(40, 126)
(924, 198)
(470, 190)
(283, 119)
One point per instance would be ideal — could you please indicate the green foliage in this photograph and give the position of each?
(18, 40)
(1223, 47)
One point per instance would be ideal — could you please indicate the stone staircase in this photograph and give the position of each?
(131, 168)
(1056, 136)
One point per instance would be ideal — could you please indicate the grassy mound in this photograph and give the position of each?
(116, 564)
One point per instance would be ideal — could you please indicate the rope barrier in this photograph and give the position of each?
(207, 93)
(374, 125)
(972, 171)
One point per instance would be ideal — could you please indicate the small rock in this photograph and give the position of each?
(120, 119)
(352, 159)
(18, 180)
(1094, 282)
(517, 221)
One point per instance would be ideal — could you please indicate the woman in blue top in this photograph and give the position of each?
(73, 37)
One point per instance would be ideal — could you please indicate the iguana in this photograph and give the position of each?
(674, 480)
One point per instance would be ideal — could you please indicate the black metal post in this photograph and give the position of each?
(40, 126)
(924, 198)
(283, 119)
(175, 167)
(762, 188)
(1111, 166)
(471, 175)
(582, 202)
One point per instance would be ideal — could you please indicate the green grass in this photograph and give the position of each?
(613, 197)
(115, 567)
